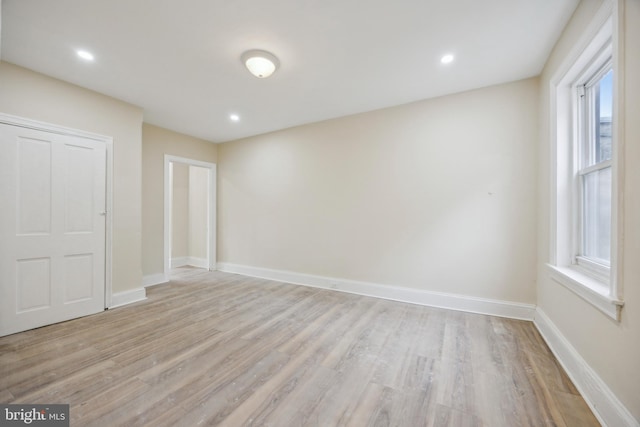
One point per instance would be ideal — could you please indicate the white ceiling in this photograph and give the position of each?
(180, 60)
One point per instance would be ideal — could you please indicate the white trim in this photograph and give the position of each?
(50, 127)
(198, 262)
(563, 229)
(128, 297)
(212, 241)
(179, 261)
(168, 197)
(604, 13)
(192, 162)
(108, 141)
(154, 279)
(190, 261)
(108, 265)
(589, 289)
(590, 267)
(602, 401)
(618, 135)
(513, 310)
(212, 244)
(595, 168)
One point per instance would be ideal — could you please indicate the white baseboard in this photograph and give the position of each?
(198, 262)
(491, 307)
(154, 279)
(190, 261)
(604, 404)
(128, 297)
(179, 261)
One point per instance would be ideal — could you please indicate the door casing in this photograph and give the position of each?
(212, 203)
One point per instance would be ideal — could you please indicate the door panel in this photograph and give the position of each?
(78, 278)
(79, 188)
(53, 228)
(33, 190)
(33, 284)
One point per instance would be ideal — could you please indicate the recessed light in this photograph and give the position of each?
(234, 117)
(448, 58)
(87, 56)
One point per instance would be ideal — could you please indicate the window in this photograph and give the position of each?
(584, 172)
(593, 172)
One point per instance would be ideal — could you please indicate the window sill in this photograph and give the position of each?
(589, 289)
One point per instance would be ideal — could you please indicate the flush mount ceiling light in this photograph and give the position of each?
(260, 63)
(234, 117)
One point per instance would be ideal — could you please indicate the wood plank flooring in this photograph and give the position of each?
(211, 348)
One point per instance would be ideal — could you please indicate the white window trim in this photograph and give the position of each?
(601, 287)
(601, 273)
(588, 288)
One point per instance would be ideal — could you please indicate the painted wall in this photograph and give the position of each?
(180, 211)
(36, 96)
(198, 212)
(436, 195)
(156, 142)
(612, 349)
(189, 213)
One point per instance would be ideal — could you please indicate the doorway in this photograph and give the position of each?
(189, 213)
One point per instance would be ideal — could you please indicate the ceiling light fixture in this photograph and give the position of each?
(234, 117)
(448, 58)
(87, 56)
(260, 63)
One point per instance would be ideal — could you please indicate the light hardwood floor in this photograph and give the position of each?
(211, 348)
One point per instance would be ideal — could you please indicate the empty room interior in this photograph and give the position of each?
(320, 213)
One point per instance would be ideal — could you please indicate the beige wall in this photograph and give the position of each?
(180, 211)
(156, 142)
(198, 212)
(612, 349)
(189, 233)
(36, 96)
(436, 195)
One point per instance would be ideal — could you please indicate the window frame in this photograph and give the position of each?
(583, 142)
(602, 288)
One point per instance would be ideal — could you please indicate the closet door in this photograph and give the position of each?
(52, 227)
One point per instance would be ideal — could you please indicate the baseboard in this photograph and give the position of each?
(604, 404)
(465, 303)
(154, 279)
(128, 297)
(179, 261)
(190, 261)
(198, 262)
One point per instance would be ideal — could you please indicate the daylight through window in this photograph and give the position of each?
(595, 108)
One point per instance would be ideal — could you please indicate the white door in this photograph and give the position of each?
(52, 227)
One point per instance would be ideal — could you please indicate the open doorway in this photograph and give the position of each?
(189, 213)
